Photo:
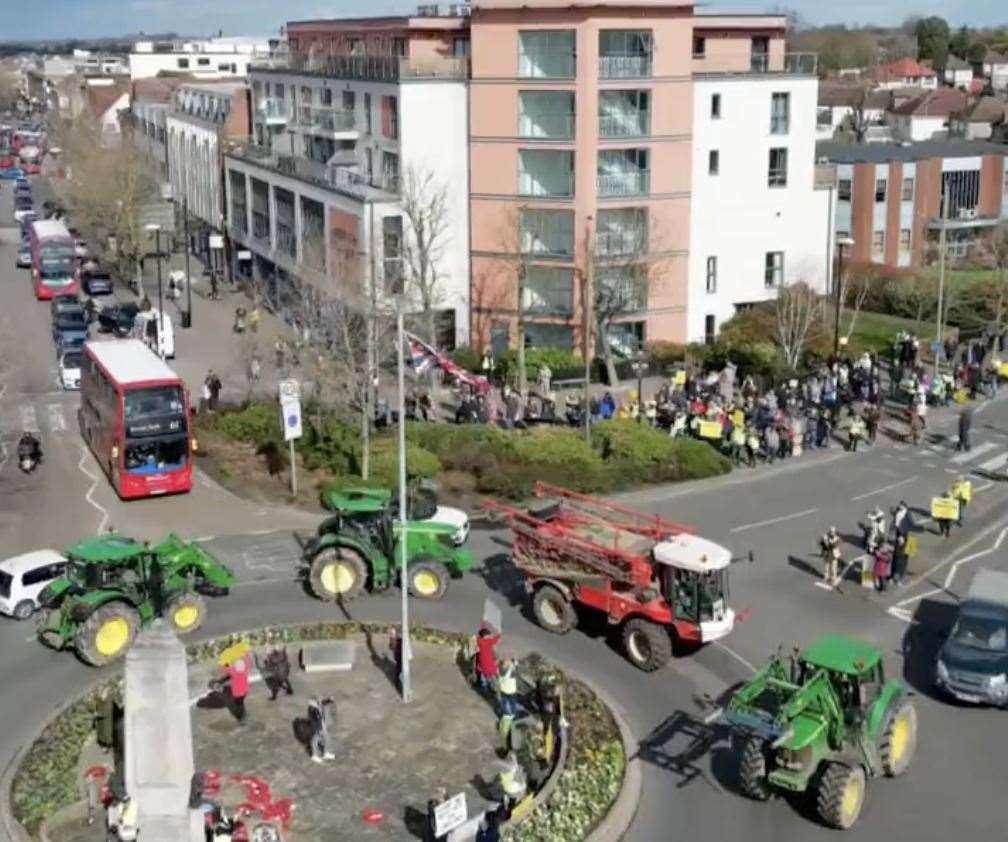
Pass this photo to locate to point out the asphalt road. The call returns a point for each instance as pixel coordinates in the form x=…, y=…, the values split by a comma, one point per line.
x=953, y=788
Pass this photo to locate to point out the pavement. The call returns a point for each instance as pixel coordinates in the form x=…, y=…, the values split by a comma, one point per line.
x=954, y=787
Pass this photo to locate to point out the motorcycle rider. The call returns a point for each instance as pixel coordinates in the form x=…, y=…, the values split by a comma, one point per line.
x=830, y=543
x=30, y=448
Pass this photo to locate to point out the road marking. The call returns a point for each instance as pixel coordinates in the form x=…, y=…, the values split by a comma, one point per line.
x=57, y=424
x=970, y=455
x=735, y=655
x=884, y=488
x=29, y=421
x=983, y=487
x=994, y=464
x=746, y=526
x=982, y=407
x=951, y=471
x=90, y=491
x=955, y=564
x=827, y=586
x=3, y=455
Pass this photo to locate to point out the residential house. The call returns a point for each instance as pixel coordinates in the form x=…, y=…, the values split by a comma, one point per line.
x=839, y=105
x=994, y=69
x=104, y=98
x=891, y=197
x=147, y=119
x=957, y=73
x=927, y=116
x=210, y=58
x=983, y=119
x=905, y=73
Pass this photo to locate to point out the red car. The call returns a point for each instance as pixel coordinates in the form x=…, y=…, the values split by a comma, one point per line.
x=6, y=162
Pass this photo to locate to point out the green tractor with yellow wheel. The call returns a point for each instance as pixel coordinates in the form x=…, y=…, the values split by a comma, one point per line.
x=822, y=722
x=358, y=549
x=113, y=586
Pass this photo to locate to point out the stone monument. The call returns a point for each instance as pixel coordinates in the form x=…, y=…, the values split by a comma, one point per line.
x=158, y=737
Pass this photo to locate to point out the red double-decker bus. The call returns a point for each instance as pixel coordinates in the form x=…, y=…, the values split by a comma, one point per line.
x=54, y=265
x=134, y=415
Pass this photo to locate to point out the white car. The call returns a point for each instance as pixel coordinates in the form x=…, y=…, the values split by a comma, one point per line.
x=70, y=370
x=22, y=579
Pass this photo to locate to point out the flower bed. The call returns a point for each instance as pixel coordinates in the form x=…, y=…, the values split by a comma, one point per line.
x=46, y=779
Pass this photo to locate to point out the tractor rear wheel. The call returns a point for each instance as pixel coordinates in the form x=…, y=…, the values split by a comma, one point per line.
x=752, y=770
x=647, y=645
x=898, y=740
x=428, y=578
x=841, y=795
x=553, y=611
x=186, y=612
x=337, y=574
x=107, y=633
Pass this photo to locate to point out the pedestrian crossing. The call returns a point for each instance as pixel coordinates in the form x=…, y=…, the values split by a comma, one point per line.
x=46, y=417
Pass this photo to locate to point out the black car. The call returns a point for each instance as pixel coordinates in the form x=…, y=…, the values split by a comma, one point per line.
x=97, y=281
x=118, y=317
x=66, y=303
x=69, y=330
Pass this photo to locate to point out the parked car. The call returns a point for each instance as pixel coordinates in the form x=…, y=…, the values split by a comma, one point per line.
x=66, y=303
x=12, y=173
x=22, y=579
x=6, y=161
x=96, y=281
x=22, y=206
x=24, y=257
x=70, y=332
x=118, y=317
x=70, y=370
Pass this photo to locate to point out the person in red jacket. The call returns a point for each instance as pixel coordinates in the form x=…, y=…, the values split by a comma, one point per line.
x=237, y=673
x=486, y=657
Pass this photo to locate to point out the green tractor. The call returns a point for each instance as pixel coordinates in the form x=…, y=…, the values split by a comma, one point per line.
x=113, y=586
x=358, y=548
x=821, y=722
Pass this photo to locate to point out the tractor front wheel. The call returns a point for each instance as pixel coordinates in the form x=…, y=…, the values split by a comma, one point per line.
x=647, y=645
x=899, y=738
x=553, y=610
x=841, y=795
x=752, y=771
x=107, y=633
x=428, y=579
x=337, y=574
x=186, y=612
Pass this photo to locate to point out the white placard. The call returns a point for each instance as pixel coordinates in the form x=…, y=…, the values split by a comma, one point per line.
x=290, y=415
x=216, y=241
x=244, y=255
x=450, y=814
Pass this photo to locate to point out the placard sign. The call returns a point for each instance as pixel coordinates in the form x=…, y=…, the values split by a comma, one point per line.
x=450, y=814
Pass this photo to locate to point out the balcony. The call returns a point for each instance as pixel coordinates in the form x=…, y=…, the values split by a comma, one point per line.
x=274, y=111
x=625, y=67
x=332, y=122
x=629, y=123
x=804, y=64
x=546, y=114
x=636, y=183
x=366, y=68
x=545, y=173
x=261, y=225
x=625, y=53
x=546, y=65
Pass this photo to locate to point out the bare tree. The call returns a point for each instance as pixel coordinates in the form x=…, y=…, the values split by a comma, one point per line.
x=994, y=255
x=854, y=289
x=858, y=118
x=425, y=206
x=798, y=309
x=10, y=90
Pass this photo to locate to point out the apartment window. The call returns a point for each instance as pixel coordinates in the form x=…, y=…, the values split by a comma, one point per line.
x=773, y=275
x=390, y=171
x=392, y=253
x=327, y=96
x=367, y=113
x=908, y=190
x=713, y=162
x=278, y=90
x=546, y=54
x=904, y=244
x=778, y=168
x=622, y=289
x=621, y=232
x=623, y=172
x=880, y=189
x=461, y=48
x=699, y=46
x=203, y=62
x=710, y=329
x=547, y=233
x=349, y=100
x=183, y=64
x=711, y=275
x=844, y=189
x=824, y=117
x=780, y=113
x=399, y=47
x=878, y=244
x=545, y=172
x=624, y=53
x=389, y=117
x=624, y=114
x=548, y=290
x=715, y=106
x=547, y=114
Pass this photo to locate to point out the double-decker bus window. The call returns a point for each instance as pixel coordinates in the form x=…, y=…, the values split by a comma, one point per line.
x=156, y=455
x=147, y=403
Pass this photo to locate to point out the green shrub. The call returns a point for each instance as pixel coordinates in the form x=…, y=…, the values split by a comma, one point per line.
x=331, y=444
x=255, y=424
x=663, y=354
x=444, y=440
x=420, y=462
x=629, y=441
x=554, y=446
x=467, y=358
x=699, y=460
x=564, y=365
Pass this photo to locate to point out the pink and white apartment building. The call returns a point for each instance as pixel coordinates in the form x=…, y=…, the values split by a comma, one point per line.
x=664, y=156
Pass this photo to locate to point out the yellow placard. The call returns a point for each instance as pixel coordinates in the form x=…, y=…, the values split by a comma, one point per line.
x=680, y=378
x=911, y=546
x=944, y=508
x=1003, y=369
x=235, y=652
x=710, y=429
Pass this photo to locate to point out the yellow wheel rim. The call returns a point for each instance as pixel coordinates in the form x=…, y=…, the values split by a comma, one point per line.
x=337, y=577
x=186, y=616
x=112, y=636
x=851, y=798
x=425, y=583
x=899, y=738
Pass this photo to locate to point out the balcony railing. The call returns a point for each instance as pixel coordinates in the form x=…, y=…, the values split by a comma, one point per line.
x=559, y=185
x=326, y=119
x=759, y=62
x=239, y=217
x=260, y=225
x=272, y=109
x=367, y=68
x=625, y=67
x=806, y=64
x=546, y=64
x=549, y=126
x=627, y=124
x=634, y=183
x=621, y=243
x=286, y=239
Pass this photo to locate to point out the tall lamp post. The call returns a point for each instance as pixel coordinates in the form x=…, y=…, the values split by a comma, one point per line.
x=160, y=302
x=407, y=691
x=841, y=244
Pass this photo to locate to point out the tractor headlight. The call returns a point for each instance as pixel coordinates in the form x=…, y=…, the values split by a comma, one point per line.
x=942, y=671
x=996, y=681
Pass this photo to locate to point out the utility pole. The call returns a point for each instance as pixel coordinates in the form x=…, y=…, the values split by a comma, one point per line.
x=369, y=351
x=942, y=245
x=185, y=224
x=588, y=296
x=407, y=693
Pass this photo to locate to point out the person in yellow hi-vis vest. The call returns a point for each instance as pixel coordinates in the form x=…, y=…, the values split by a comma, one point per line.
x=962, y=490
x=507, y=687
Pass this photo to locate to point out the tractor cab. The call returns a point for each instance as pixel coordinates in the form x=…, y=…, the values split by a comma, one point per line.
x=854, y=670
x=693, y=575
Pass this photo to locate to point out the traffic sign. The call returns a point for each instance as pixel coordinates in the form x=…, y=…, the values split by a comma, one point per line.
x=290, y=411
x=290, y=389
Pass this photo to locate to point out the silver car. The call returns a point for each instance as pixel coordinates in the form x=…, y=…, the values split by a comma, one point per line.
x=24, y=258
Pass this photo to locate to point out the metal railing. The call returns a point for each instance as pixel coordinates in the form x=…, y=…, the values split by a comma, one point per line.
x=557, y=185
x=367, y=68
x=625, y=67
x=272, y=108
x=806, y=64
x=546, y=64
x=632, y=183
x=549, y=126
x=286, y=239
x=337, y=172
x=239, y=215
x=260, y=225
x=621, y=243
x=626, y=124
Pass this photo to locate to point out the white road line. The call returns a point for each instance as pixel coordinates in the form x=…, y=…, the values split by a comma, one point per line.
x=203, y=538
x=29, y=421
x=951, y=471
x=884, y=488
x=994, y=464
x=982, y=407
x=735, y=655
x=956, y=564
x=930, y=465
x=57, y=424
x=983, y=487
x=3, y=455
x=977, y=451
x=746, y=526
x=90, y=491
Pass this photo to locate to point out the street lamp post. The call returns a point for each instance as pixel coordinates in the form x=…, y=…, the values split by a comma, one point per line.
x=407, y=692
x=160, y=296
x=843, y=242
x=188, y=278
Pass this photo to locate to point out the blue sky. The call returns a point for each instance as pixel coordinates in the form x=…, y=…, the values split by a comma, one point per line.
x=89, y=18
